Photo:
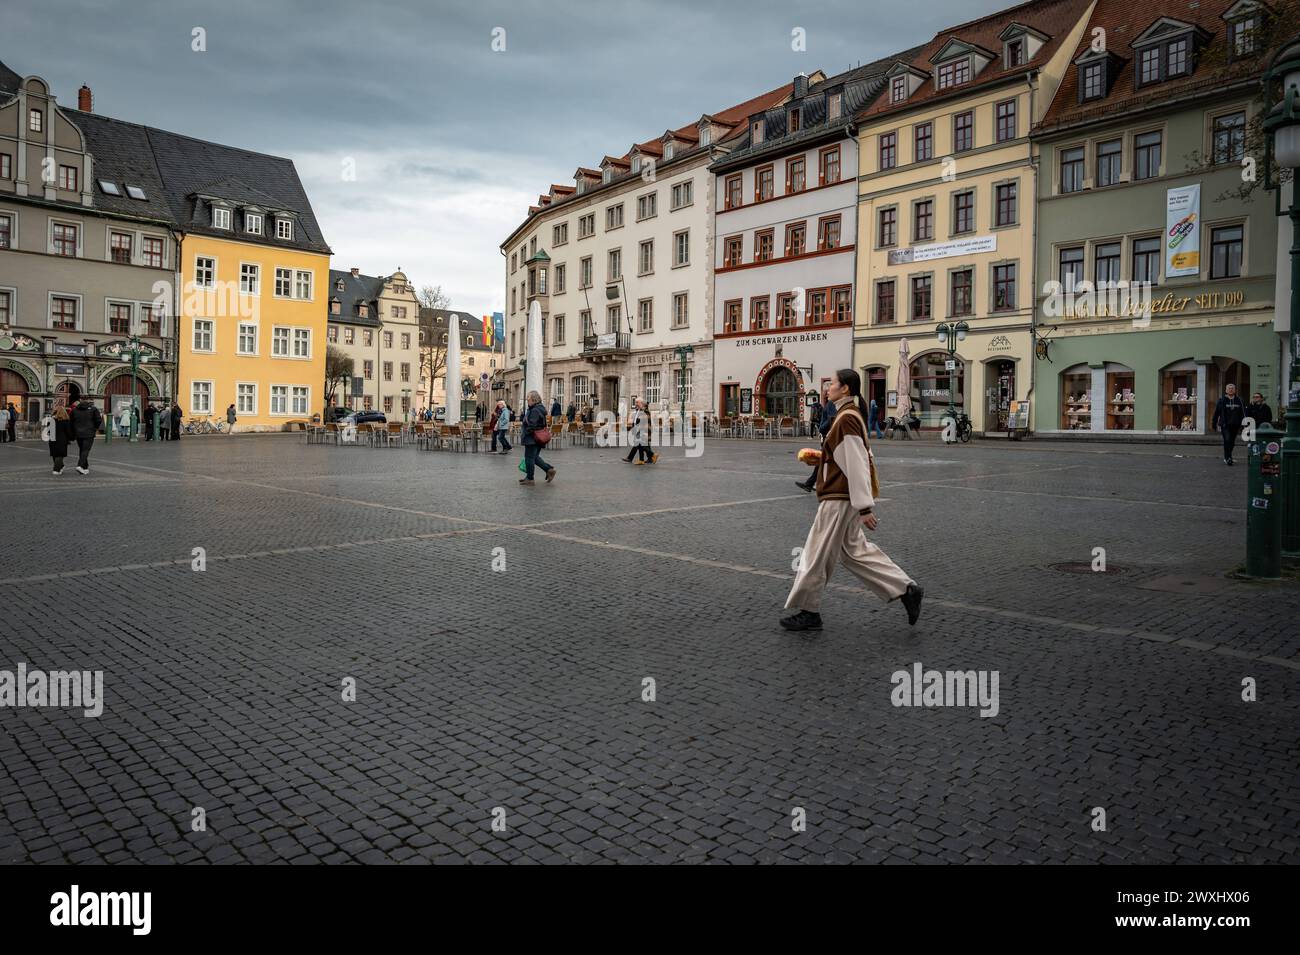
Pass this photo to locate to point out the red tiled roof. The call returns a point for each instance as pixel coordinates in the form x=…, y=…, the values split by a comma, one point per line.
x=1123, y=23
x=1053, y=18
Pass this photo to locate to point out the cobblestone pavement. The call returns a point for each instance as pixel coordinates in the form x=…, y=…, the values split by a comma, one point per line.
x=522, y=690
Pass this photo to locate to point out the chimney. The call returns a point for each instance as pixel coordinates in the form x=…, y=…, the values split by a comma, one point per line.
x=85, y=100
x=800, y=85
x=355, y=271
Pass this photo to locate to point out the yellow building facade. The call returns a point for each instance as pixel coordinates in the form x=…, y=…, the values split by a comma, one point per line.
x=252, y=332
x=946, y=187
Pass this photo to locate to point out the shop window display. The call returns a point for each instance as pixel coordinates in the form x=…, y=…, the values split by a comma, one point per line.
x=1178, y=398
x=1076, y=401
x=1120, y=401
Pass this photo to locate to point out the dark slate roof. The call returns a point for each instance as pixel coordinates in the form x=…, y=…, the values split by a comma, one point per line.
x=860, y=85
x=192, y=167
x=9, y=82
x=472, y=327
x=356, y=289
x=122, y=155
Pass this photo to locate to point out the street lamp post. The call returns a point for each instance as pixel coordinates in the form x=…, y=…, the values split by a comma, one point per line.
x=683, y=353
x=1282, y=143
x=949, y=335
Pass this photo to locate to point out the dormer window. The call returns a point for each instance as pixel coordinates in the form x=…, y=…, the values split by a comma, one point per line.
x=756, y=132
x=898, y=89
x=792, y=120
x=834, y=103
x=1166, y=50
x=706, y=135
x=253, y=223
x=668, y=151
x=363, y=310
x=1178, y=61
x=636, y=163
x=284, y=229
x=220, y=217
x=1092, y=81
x=1015, y=52
x=1243, y=37
x=954, y=73
x=339, y=285
x=607, y=175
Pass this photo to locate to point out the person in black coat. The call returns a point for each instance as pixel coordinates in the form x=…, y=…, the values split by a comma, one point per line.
x=57, y=431
x=1229, y=412
x=555, y=408
x=176, y=422
x=823, y=425
x=1258, y=411
x=149, y=412
x=534, y=421
x=571, y=413
x=86, y=422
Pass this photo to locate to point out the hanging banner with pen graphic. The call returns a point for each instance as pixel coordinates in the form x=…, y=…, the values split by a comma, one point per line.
x=1183, y=231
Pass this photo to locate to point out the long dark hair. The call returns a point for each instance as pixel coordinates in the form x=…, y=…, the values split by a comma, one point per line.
x=851, y=380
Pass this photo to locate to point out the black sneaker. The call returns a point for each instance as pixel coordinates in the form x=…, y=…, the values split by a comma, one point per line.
x=912, y=602
x=803, y=487
x=803, y=620
x=1228, y=462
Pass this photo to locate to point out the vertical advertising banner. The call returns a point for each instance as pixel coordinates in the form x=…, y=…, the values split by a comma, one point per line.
x=1183, y=231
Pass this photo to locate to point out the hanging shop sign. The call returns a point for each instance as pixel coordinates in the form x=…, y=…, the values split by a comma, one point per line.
x=1183, y=230
x=62, y=348
x=944, y=250
x=69, y=368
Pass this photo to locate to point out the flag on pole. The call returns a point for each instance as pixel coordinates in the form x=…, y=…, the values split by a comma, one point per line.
x=499, y=326
x=487, y=331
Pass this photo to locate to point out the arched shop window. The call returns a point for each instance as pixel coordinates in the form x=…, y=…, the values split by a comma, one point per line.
x=781, y=393
x=1220, y=373
x=1181, y=393
x=932, y=387
x=1121, y=406
x=1077, y=398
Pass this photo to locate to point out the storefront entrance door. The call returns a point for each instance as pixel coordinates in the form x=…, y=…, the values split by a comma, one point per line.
x=1001, y=391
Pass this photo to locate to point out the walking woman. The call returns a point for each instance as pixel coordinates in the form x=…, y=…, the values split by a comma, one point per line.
x=641, y=450
x=846, y=501
x=534, y=421
x=56, y=428
x=501, y=428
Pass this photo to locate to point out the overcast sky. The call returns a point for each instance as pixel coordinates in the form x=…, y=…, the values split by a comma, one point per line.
x=451, y=141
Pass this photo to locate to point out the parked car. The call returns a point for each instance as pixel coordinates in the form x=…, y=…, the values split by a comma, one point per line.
x=364, y=417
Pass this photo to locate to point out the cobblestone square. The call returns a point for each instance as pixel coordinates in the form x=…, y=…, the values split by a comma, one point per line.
x=516, y=694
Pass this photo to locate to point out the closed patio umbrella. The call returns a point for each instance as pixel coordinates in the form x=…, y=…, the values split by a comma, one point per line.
x=904, y=381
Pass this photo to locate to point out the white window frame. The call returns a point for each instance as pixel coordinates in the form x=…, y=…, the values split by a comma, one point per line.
x=287, y=274
x=221, y=218
x=205, y=258
x=211, y=335
x=686, y=297
x=688, y=186
x=271, y=408
x=295, y=339
x=108, y=304
x=143, y=236
x=239, y=398
x=298, y=283
x=239, y=336
x=254, y=217
x=13, y=301
x=12, y=216
x=277, y=338
x=678, y=261
x=257, y=278
x=49, y=235
x=306, y=407
x=194, y=403
x=81, y=309
x=284, y=228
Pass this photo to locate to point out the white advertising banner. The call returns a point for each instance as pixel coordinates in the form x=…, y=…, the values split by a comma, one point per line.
x=944, y=250
x=1183, y=231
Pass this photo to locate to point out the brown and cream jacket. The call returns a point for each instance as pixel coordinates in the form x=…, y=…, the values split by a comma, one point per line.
x=848, y=471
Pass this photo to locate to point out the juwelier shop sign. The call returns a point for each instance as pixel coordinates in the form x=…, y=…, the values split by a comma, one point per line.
x=944, y=250
x=1168, y=304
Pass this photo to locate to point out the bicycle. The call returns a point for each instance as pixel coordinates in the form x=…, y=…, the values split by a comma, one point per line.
x=204, y=426
x=961, y=424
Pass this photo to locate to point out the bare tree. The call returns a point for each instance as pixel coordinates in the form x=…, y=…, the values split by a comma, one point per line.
x=338, y=371
x=433, y=342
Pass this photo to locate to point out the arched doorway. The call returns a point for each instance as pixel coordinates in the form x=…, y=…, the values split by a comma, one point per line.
x=13, y=390
x=68, y=393
x=119, y=391
x=933, y=386
x=781, y=394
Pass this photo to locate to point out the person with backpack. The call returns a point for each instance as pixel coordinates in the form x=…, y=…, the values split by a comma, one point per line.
x=86, y=422
x=846, y=504
x=534, y=422
x=56, y=430
x=823, y=425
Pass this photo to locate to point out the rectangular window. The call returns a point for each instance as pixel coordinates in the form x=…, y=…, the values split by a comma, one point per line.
x=152, y=251
x=1149, y=65
x=963, y=213
x=1146, y=155
x=6, y=166
x=6, y=307
x=302, y=284
x=349, y=335
x=885, y=303
x=828, y=233
x=587, y=225
x=584, y=272
x=1109, y=156
x=764, y=184
x=201, y=397
x=202, y=334
x=1146, y=260
x=955, y=73
x=1006, y=121
x=614, y=270
x=646, y=257
x=1072, y=169
x=796, y=178
x=681, y=312
x=796, y=239
x=388, y=371
x=792, y=122
x=1071, y=270
x=759, y=312
x=1225, y=252
x=559, y=330
x=151, y=320
x=888, y=150
x=283, y=283
x=560, y=234
x=764, y=245
x=843, y=304
x=731, y=316
x=119, y=318
x=650, y=388
x=1105, y=264
x=645, y=315
x=1005, y=204
x=406, y=340
x=249, y=278
x=68, y=178
x=646, y=206
x=785, y=317
x=1244, y=37
x=332, y=333
x=732, y=251
x=1178, y=62
x=733, y=195
x=614, y=217
x=1015, y=53
x=682, y=248
x=35, y=120
x=368, y=369
x=960, y=303
x=561, y=278
x=65, y=239
x=1004, y=287
x=302, y=343
x=963, y=131
x=119, y=247
x=280, y=341
x=247, y=339
x=817, y=306
x=300, y=397
x=205, y=272
x=388, y=339
x=1230, y=137
x=220, y=217
x=683, y=194
x=888, y=231
x=246, y=398
x=253, y=223
x=682, y=380
x=923, y=220
x=1094, y=81
x=63, y=312
x=279, y=399
x=6, y=232
x=898, y=89
x=922, y=302
x=923, y=142
x=829, y=168
x=284, y=229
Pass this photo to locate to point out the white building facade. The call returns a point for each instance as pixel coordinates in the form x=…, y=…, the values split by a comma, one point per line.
x=621, y=266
